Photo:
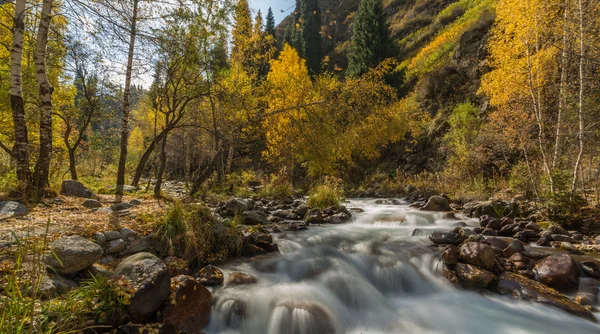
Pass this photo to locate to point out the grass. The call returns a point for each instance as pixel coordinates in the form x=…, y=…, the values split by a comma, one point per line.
x=328, y=194
x=276, y=190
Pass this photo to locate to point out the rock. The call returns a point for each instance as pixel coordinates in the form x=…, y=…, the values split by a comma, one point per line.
x=315, y=318
x=74, y=188
x=563, y=238
x=494, y=224
x=100, y=238
x=176, y=266
x=533, y=227
x=115, y=246
x=135, y=202
x=286, y=215
x=445, y=238
x=590, y=268
x=437, y=203
x=233, y=312
x=497, y=209
x=239, y=278
x=12, y=209
x=151, y=284
x=237, y=206
x=189, y=306
x=253, y=218
x=112, y=235
x=75, y=254
x=569, y=247
x=95, y=270
x=496, y=242
x=137, y=246
x=450, y=255
x=338, y=218
x=314, y=216
x=92, y=204
x=128, y=233
x=555, y=229
x=478, y=254
x=210, y=275
x=558, y=271
x=251, y=250
x=521, y=287
x=301, y=211
x=514, y=247
x=120, y=206
x=45, y=288
x=473, y=277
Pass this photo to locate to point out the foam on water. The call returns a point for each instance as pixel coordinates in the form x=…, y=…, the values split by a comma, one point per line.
x=374, y=275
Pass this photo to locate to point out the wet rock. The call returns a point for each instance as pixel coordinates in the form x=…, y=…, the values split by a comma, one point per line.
x=314, y=216
x=526, y=235
x=555, y=229
x=545, y=238
x=521, y=287
x=286, y=215
x=115, y=246
x=239, y=278
x=210, y=275
x=12, y=209
x=251, y=250
x=75, y=253
x=92, y=204
x=558, y=271
x=533, y=227
x=569, y=247
x=189, y=305
x=437, y=203
x=445, y=238
x=315, y=318
x=151, y=282
x=478, y=254
x=496, y=242
x=236, y=206
x=232, y=312
x=473, y=277
x=489, y=232
x=563, y=238
x=497, y=209
x=301, y=211
x=507, y=230
x=338, y=218
x=590, y=268
x=450, y=255
x=176, y=266
x=254, y=218
x=514, y=247
x=494, y=224
x=74, y=188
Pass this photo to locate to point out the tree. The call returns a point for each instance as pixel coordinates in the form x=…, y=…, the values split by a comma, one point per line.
x=242, y=32
x=270, y=25
x=370, y=38
x=312, y=42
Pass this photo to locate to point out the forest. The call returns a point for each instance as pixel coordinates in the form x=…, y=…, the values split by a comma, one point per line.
x=177, y=117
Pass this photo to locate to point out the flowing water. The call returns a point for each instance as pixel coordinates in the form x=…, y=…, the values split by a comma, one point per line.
x=377, y=274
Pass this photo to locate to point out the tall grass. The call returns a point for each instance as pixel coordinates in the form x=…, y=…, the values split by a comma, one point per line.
x=328, y=194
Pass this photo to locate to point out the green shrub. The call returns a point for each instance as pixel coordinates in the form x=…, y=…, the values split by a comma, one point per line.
x=106, y=299
x=326, y=195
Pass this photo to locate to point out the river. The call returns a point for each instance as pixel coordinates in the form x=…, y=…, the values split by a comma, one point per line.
x=373, y=275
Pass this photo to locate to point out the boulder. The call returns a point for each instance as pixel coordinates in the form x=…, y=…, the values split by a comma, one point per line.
x=495, y=208
x=472, y=277
x=74, y=188
x=210, y=275
x=112, y=235
x=301, y=210
x=239, y=278
x=151, y=283
x=496, y=242
x=555, y=229
x=591, y=268
x=521, y=287
x=314, y=216
x=72, y=254
x=338, y=218
x=189, y=306
x=445, y=238
x=286, y=215
x=450, y=255
x=437, y=203
x=115, y=246
x=514, y=247
x=92, y=204
x=254, y=218
x=478, y=254
x=236, y=206
x=564, y=238
x=12, y=209
x=558, y=271
x=251, y=250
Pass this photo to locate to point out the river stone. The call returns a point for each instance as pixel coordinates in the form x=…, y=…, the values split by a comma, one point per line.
x=521, y=287
x=437, y=203
x=314, y=216
x=472, y=277
x=74, y=188
x=555, y=229
x=450, y=255
x=564, y=238
x=478, y=254
x=92, y=204
x=151, y=283
x=112, y=235
x=189, y=305
x=558, y=271
x=254, y=218
x=514, y=247
x=210, y=275
x=236, y=206
x=445, y=238
x=12, y=209
x=239, y=278
x=75, y=254
x=115, y=246
x=496, y=242
x=590, y=268
x=301, y=210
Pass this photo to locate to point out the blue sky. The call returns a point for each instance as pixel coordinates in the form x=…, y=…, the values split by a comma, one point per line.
x=276, y=5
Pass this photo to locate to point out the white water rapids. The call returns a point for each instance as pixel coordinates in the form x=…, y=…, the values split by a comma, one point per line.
x=373, y=275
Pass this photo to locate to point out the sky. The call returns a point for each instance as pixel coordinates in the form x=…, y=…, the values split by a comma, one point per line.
x=276, y=5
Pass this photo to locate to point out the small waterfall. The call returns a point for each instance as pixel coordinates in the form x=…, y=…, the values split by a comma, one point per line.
x=374, y=275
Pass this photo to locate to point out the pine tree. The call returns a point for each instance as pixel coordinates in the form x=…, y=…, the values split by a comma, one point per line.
x=312, y=42
x=296, y=37
x=242, y=30
x=270, y=27
x=258, y=24
x=370, y=38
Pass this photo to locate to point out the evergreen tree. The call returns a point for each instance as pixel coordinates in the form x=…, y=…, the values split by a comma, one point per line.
x=242, y=30
x=312, y=42
x=370, y=38
x=270, y=27
x=258, y=24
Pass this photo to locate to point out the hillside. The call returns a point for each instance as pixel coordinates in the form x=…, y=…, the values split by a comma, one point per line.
x=441, y=45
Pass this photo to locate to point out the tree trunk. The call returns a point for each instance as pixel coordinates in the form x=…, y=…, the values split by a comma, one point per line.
x=72, y=164
x=42, y=167
x=205, y=174
x=126, y=105
x=139, y=171
x=16, y=100
x=581, y=95
x=161, y=168
x=562, y=98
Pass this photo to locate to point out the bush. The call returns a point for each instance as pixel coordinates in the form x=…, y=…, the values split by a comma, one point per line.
x=326, y=195
x=106, y=299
